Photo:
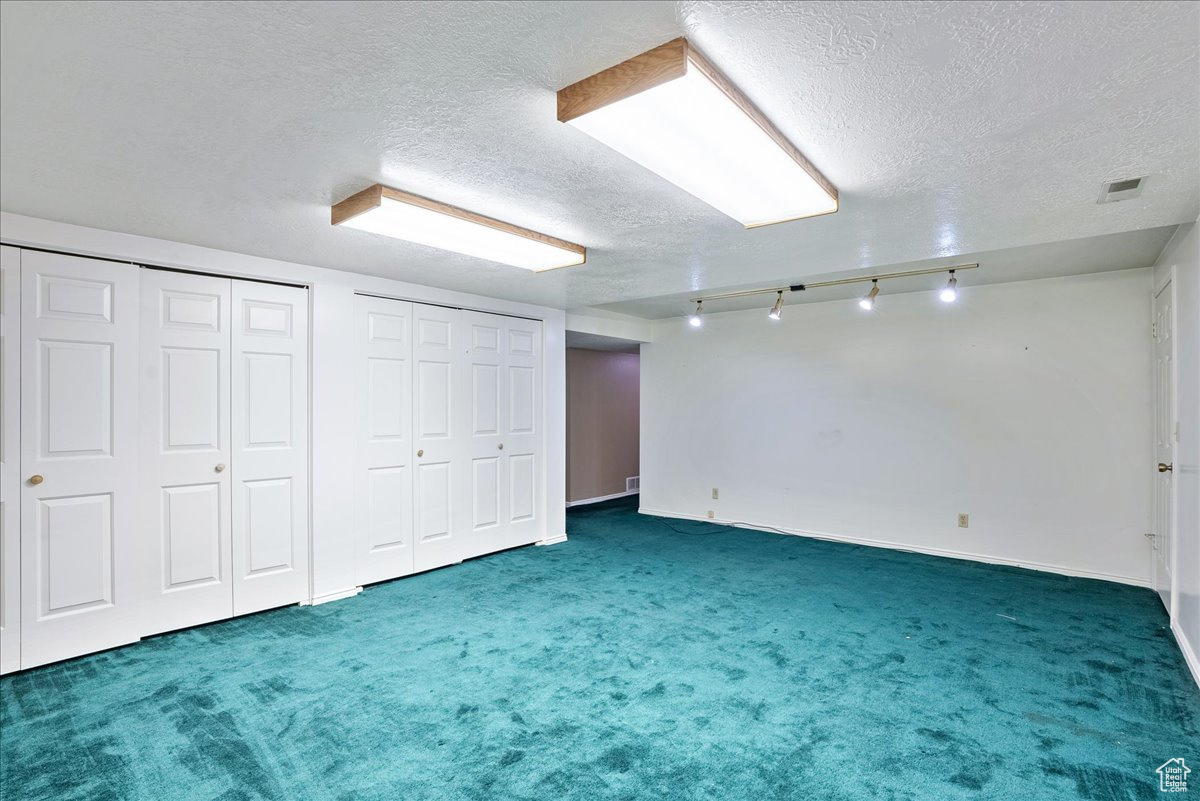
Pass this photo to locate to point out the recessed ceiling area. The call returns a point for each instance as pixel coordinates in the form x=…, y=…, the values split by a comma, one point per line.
x=585, y=341
x=1095, y=254
x=240, y=126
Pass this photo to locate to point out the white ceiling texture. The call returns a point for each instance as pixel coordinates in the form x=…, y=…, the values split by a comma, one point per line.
x=949, y=129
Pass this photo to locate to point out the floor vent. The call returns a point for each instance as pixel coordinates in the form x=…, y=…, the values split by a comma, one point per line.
x=633, y=483
x=1125, y=189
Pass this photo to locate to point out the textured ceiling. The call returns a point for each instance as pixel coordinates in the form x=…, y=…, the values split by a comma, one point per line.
x=948, y=127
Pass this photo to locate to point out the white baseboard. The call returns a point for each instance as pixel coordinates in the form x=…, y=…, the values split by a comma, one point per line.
x=552, y=540
x=896, y=546
x=1189, y=652
x=334, y=596
x=586, y=501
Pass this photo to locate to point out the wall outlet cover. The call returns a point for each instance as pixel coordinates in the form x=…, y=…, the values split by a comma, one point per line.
x=711, y=514
x=716, y=494
x=964, y=520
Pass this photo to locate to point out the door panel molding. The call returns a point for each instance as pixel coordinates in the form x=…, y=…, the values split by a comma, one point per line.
x=82, y=565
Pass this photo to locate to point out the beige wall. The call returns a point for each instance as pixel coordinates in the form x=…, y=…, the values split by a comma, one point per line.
x=602, y=422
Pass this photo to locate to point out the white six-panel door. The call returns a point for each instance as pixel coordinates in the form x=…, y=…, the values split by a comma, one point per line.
x=80, y=582
x=484, y=430
x=439, y=398
x=185, y=413
x=503, y=431
x=10, y=459
x=522, y=397
x=1164, y=445
x=385, y=453
x=270, y=446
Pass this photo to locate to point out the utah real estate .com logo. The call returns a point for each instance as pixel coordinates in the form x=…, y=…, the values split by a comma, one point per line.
x=1172, y=776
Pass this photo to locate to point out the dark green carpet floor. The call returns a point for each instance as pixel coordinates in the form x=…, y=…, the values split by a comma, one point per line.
x=643, y=659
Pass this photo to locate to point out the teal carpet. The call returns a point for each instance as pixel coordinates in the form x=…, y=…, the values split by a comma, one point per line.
x=643, y=659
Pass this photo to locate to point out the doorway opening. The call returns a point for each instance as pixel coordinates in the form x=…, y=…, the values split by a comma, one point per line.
x=603, y=398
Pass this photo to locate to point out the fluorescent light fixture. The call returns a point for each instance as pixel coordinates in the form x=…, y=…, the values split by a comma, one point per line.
x=777, y=310
x=382, y=210
x=674, y=113
x=950, y=293
x=695, y=321
x=868, y=301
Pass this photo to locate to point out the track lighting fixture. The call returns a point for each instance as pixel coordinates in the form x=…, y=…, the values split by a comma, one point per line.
x=696, y=320
x=868, y=300
x=950, y=293
x=777, y=310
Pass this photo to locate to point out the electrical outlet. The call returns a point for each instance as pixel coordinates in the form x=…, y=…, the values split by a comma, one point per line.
x=711, y=514
x=716, y=494
x=964, y=520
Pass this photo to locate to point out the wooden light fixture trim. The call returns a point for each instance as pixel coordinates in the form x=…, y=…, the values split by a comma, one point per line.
x=372, y=197
x=658, y=66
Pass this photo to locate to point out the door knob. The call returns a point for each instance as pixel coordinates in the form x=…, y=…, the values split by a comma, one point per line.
x=500, y=446
x=421, y=452
x=1166, y=468
x=35, y=480
x=220, y=468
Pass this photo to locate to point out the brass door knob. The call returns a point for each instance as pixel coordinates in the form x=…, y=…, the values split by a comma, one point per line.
x=421, y=452
x=35, y=480
x=1166, y=468
x=220, y=468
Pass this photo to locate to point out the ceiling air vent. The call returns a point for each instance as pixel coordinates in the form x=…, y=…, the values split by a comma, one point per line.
x=1121, y=190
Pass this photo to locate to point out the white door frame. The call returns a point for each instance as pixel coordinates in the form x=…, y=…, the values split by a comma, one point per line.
x=10, y=460
x=1173, y=435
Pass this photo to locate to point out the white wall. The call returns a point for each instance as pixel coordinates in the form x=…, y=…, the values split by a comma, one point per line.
x=1026, y=405
x=332, y=305
x=1183, y=254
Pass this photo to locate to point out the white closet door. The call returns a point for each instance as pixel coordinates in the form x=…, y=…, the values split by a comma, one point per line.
x=270, y=446
x=80, y=585
x=484, y=429
x=384, y=473
x=185, y=448
x=10, y=459
x=521, y=431
x=439, y=398
x=504, y=432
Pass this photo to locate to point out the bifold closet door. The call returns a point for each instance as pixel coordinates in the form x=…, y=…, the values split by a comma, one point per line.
x=80, y=563
x=440, y=495
x=503, y=436
x=185, y=413
x=385, y=452
x=523, y=438
x=10, y=459
x=269, y=419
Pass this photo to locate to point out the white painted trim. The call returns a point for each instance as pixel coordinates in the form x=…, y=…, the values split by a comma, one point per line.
x=615, y=495
x=1189, y=653
x=552, y=540
x=895, y=546
x=333, y=596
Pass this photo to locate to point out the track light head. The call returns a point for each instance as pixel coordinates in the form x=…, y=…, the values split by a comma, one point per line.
x=950, y=293
x=777, y=310
x=695, y=321
x=868, y=301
